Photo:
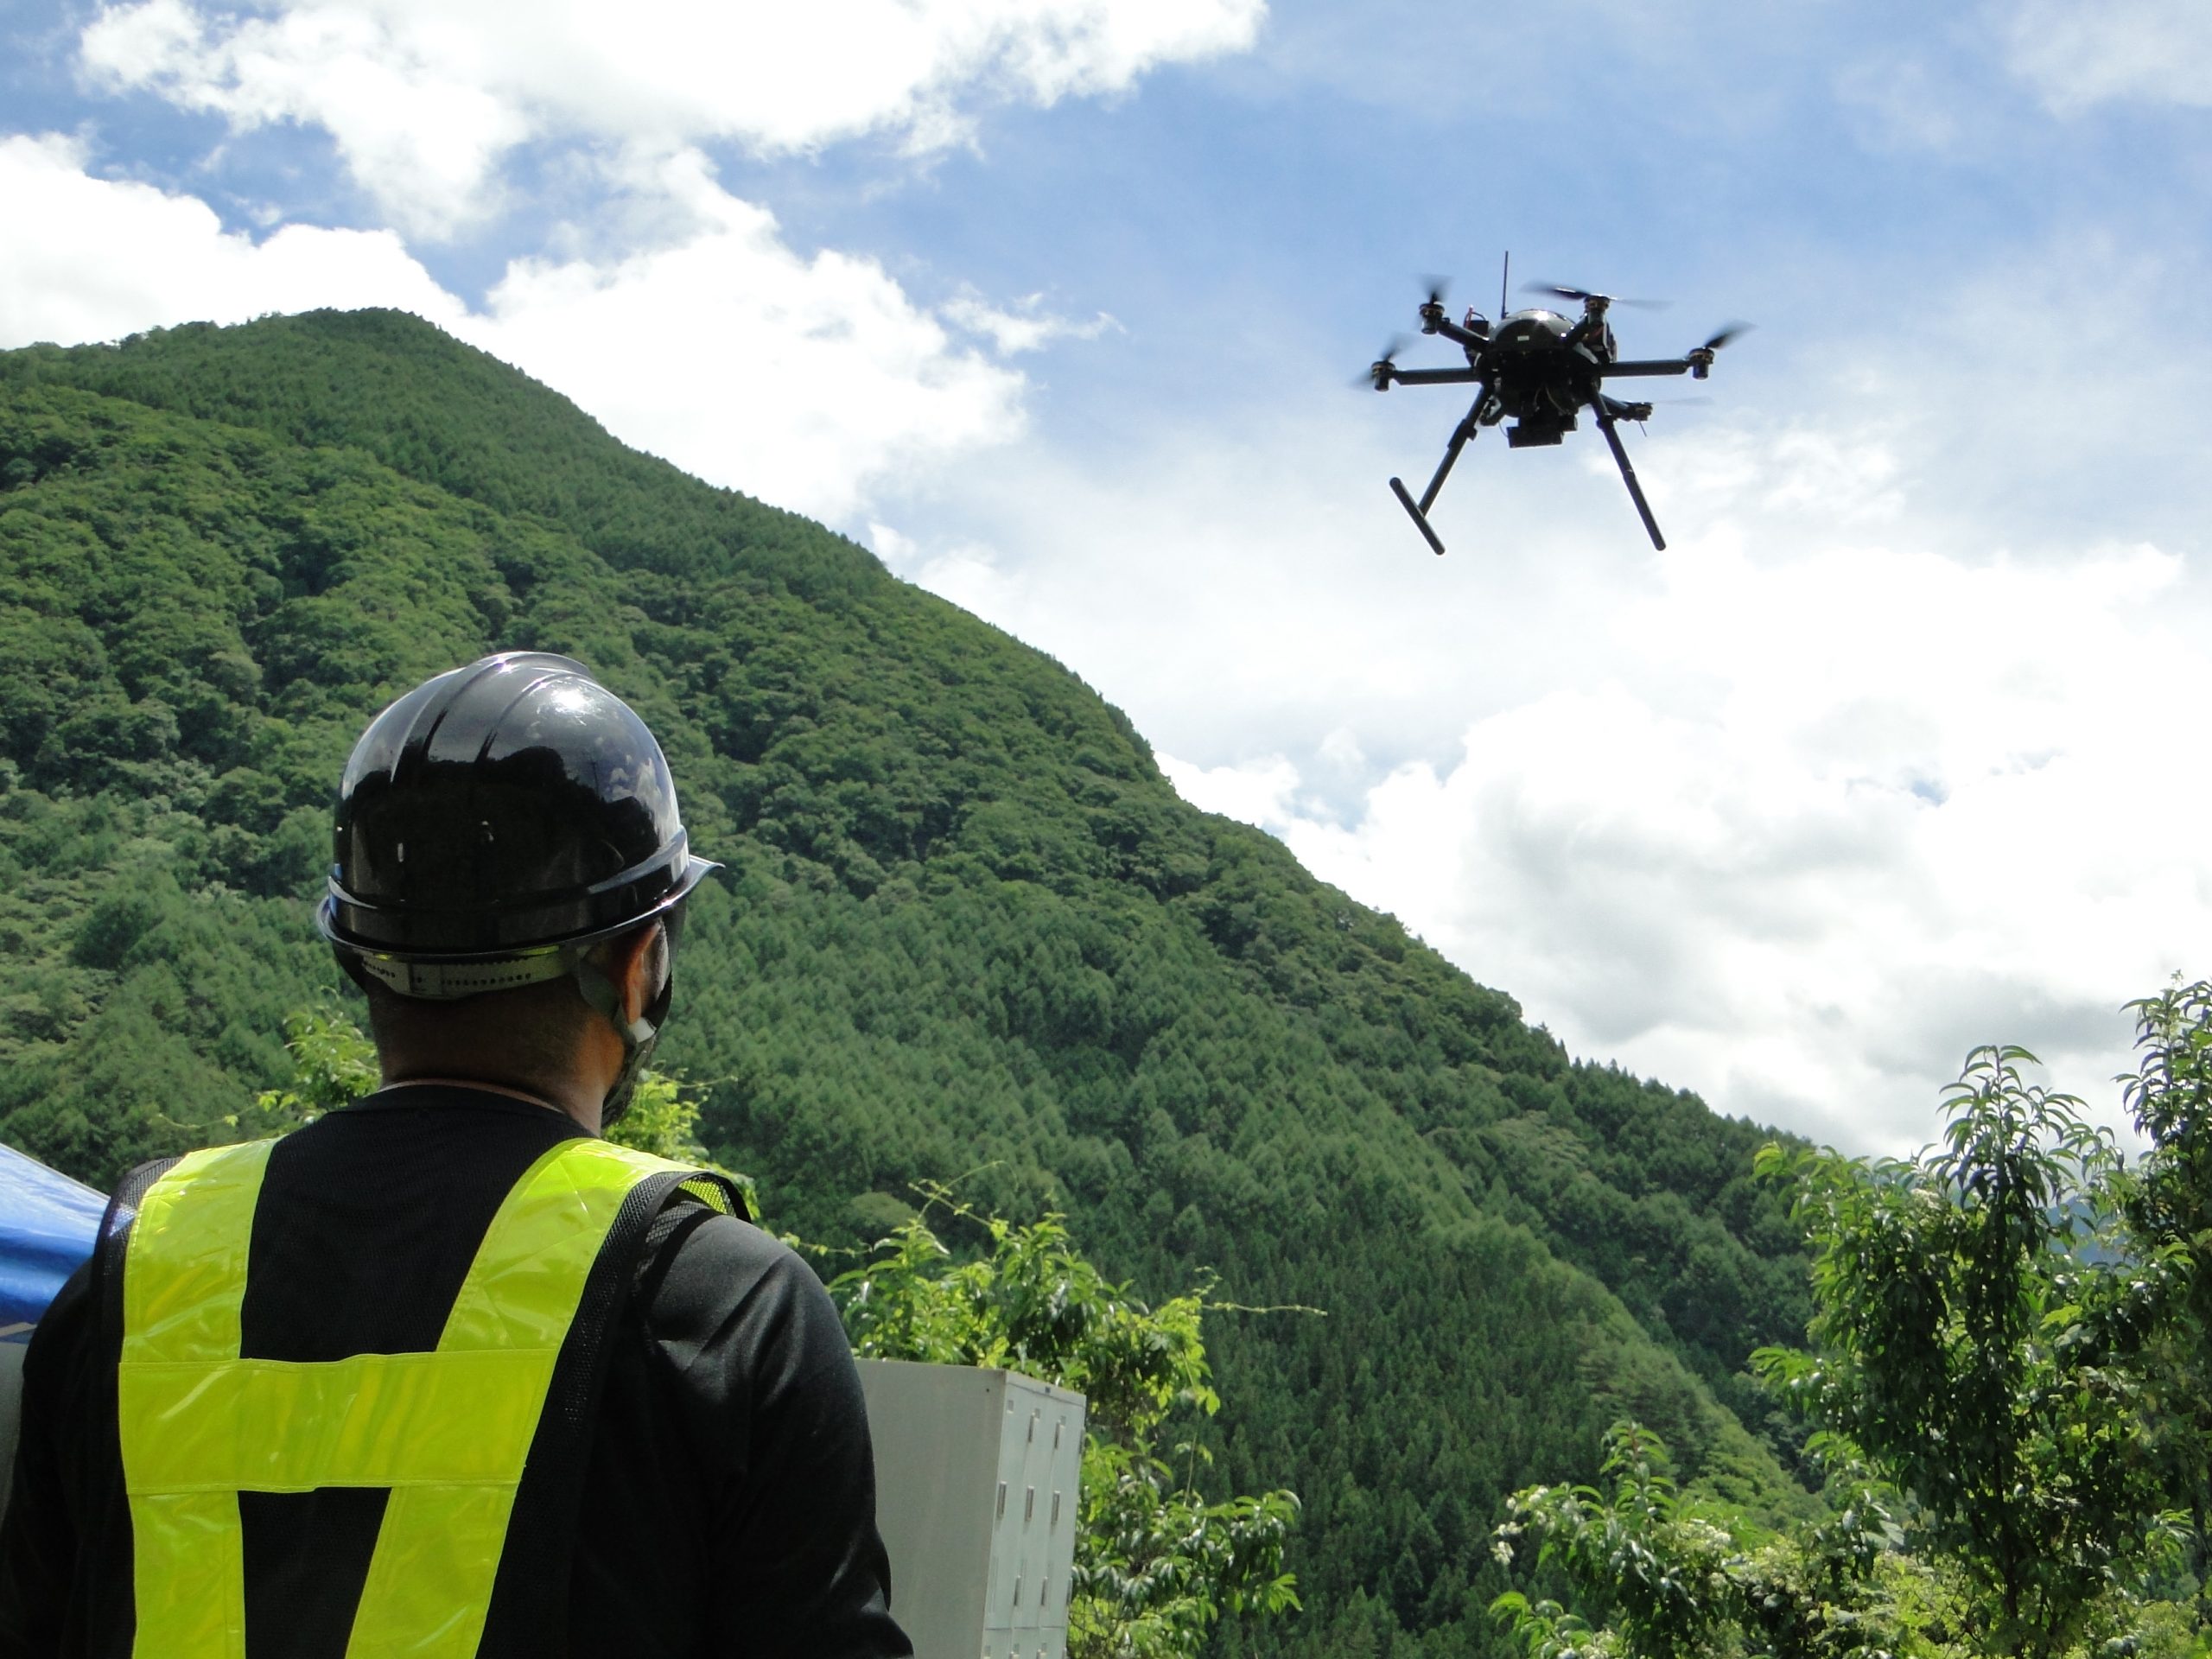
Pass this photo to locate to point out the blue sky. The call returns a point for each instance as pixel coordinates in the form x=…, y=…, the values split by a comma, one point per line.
x=1055, y=304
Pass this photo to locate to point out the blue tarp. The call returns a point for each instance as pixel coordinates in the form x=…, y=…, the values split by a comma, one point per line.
x=48, y=1224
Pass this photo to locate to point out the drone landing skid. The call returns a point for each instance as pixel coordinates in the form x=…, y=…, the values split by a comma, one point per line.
x=1628, y=474
x=1462, y=435
x=1421, y=518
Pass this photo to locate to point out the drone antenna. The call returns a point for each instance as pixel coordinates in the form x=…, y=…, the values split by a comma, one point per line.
x=1502, y=277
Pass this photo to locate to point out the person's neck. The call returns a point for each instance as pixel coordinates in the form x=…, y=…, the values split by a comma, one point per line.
x=570, y=1100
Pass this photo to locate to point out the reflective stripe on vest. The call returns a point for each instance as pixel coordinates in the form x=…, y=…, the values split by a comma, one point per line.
x=447, y=1431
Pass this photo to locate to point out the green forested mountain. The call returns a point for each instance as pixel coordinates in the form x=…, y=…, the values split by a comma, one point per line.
x=965, y=923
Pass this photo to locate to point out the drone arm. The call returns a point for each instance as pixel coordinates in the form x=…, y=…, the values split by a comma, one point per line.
x=1646, y=365
x=1628, y=474
x=1452, y=331
x=1436, y=377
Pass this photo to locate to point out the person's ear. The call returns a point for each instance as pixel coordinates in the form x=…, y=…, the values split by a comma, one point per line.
x=641, y=966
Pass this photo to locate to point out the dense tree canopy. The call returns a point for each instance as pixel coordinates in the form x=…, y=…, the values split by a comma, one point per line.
x=1972, y=1340
x=2006, y=1363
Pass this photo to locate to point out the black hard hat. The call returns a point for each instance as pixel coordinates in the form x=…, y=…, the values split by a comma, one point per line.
x=495, y=821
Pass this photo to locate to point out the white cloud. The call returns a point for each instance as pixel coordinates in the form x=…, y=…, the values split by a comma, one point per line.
x=424, y=97
x=808, y=382
x=1245, y=584
x=97, y=258
x=407, y=120
x=805, y=381
x=967, y=573
x=1258, y=791
x=1902, y=101
x=1901, y=804
x=2081, y=53
x=1025, y=326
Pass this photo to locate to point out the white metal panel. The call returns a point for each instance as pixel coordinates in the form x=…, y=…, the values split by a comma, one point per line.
x=934, y=1430
x=1021, y=1523
x=968, y=1463
x=1006, y=1582
x=1056, y=1506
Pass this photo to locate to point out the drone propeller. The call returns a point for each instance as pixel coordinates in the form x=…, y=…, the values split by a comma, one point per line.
x=1643, y=408
x=1583, y=296
x=1377, y=375
x=1432, y=308
x=1701, y=357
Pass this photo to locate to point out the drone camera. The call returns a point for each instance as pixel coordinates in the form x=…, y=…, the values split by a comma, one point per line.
x=1527, y=434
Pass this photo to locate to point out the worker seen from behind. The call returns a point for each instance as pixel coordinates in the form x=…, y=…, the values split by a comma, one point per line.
x=444, y=1373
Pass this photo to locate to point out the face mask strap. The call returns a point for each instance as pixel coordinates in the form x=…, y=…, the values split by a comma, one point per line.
x=638, y=1036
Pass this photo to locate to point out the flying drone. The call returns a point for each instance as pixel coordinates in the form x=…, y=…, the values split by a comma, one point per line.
x=1540, y=370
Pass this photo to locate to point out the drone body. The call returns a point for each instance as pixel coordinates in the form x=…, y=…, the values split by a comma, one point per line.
x=1539, y=371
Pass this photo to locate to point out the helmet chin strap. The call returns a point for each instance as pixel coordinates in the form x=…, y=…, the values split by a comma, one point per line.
x=638, y=1035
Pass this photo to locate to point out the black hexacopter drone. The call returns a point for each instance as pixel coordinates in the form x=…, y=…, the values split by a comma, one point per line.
x=1540, y=370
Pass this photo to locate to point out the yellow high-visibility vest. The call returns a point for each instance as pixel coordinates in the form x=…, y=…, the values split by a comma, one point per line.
x=448, y=1431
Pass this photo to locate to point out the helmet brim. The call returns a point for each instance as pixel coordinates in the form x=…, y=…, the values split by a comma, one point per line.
x=450, y=976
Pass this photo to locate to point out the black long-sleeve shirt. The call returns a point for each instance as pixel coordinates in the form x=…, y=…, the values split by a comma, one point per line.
x=729, y=1498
